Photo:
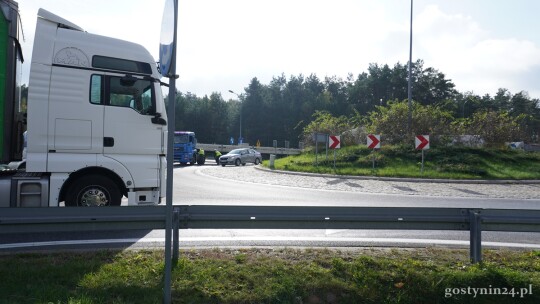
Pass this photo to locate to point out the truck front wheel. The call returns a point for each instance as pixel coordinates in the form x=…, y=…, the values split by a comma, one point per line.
x=93, y=191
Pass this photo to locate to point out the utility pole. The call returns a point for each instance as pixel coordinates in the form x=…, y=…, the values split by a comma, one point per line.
x=409, y=93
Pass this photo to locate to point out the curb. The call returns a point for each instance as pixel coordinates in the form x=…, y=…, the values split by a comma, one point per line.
x=406, y=179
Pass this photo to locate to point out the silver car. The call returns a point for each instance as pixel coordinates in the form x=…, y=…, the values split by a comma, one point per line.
x=241, y=156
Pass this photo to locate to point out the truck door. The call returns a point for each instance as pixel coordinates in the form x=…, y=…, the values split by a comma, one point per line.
x=129, y=136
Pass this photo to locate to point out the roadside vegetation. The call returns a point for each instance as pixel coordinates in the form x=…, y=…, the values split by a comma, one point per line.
x=284, y=107
x=452, y=154
x=367, y=275
x=403, y=161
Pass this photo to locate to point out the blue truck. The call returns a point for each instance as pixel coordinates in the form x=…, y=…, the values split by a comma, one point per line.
x=185, y=149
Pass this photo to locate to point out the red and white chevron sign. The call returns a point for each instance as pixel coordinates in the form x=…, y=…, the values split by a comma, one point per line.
x=334, y=142
x=422, y=142
x=374, y=141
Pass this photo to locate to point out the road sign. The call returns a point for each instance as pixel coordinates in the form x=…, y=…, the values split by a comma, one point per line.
x=421, y=142
x=334, y=142
x=374, y=141
x=320, y=137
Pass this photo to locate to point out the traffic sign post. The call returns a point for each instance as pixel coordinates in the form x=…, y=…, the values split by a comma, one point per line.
x=334, y=142
x=373, y=142
x=421, y=142
x=317, y=138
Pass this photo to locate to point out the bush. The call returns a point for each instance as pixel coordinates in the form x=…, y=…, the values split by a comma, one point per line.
x=391, y=122
x=494, y=128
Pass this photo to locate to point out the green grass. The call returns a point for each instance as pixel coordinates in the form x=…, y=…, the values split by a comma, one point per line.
x=269, y=276
x=396, y=161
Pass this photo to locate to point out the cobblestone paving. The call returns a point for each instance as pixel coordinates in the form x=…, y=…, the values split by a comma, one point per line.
x=489, y=190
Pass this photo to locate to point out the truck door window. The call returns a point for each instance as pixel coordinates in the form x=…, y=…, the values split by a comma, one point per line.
x=133, y=93
x=129, y=92
x=96, y=89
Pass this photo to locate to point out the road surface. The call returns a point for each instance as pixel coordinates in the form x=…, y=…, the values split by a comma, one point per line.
x=246, y=185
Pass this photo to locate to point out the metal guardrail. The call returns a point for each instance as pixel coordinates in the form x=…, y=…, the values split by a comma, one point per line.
x=29, y=220
x=284, y=217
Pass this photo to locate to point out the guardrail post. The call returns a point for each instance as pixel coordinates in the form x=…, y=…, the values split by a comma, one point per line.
x=176, y=234
x=475, y=236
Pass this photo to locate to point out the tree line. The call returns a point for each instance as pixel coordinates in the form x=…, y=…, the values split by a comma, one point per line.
x=287, y=108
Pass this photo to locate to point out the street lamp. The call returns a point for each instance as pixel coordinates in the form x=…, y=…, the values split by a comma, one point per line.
x=463, y=109
x=240, y=135
x=409, y=93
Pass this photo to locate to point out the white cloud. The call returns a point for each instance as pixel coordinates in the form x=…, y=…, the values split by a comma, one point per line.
x=223, y=44
x=474, y=58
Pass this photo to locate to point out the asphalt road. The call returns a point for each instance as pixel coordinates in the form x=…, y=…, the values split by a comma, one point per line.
x=216, y=185
x=211, y=184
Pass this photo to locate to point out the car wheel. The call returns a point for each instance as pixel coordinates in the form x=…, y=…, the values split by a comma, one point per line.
x=257, y=161
x=223, y=165
x=237, y=162
x=93, y=190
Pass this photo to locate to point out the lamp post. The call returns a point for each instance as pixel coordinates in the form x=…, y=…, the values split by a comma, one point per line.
x=240, y=131
x=409, y=91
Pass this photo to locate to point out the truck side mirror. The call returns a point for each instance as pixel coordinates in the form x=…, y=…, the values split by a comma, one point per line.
x=128, y=81
x=158, y=120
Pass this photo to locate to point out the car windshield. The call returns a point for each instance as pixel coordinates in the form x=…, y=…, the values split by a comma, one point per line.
x=237, y=151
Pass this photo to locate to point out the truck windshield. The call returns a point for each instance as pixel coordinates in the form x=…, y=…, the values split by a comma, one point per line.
x=181, y=138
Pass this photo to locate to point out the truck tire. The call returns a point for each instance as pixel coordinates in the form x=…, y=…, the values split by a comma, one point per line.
x=93, y=190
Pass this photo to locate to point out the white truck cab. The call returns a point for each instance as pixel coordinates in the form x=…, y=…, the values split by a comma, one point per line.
x=96, y=118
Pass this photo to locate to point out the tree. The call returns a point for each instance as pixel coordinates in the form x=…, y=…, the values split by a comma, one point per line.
x=495, y=128
x=324, y=122
x=391, y=121
x=521, y=103
x=255, y=113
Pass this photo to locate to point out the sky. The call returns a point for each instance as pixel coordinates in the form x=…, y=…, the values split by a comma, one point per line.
x=480, y=45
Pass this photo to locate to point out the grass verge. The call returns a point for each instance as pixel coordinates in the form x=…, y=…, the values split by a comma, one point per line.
x=273, y=276
x=398, y=161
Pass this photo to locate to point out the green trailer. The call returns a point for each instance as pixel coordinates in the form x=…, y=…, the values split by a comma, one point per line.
x=12, y=122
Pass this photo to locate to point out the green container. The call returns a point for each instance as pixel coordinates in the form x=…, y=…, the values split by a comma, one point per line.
x=11, y=120
x=4, y=28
